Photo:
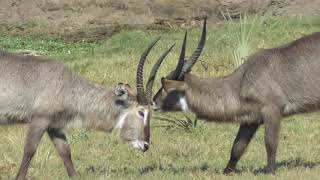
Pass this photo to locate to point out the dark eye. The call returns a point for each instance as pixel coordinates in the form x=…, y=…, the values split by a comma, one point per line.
x=141, y=113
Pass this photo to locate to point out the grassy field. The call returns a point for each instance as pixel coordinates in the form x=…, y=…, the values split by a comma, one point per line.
x=179, y=149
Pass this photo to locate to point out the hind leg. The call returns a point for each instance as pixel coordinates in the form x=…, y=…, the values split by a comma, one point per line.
x=271, y=118
x=62, y=146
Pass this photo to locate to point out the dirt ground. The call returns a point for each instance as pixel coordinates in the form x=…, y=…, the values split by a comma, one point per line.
x=95, y=19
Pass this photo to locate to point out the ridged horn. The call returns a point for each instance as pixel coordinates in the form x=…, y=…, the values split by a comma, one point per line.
x=179, y=66
x=141, y=95
x=154, y=72
x=195, y=55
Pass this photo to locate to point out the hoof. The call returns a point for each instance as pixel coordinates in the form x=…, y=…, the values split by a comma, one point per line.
x=270, y=171
x=229, y=171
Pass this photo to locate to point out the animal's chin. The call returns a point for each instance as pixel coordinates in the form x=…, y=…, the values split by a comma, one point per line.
x=160, y=109
x=156, y=108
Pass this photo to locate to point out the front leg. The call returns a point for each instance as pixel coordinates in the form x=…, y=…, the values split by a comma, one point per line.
x=35, y=133
x=244, y=136
x=271, y=118
x=62, y=146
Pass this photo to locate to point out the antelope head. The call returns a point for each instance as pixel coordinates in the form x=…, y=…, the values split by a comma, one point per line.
x=171, y=96
x=134, y=119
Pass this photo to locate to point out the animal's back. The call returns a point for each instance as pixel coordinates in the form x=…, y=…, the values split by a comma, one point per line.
x=29, y=84
x=289, y=75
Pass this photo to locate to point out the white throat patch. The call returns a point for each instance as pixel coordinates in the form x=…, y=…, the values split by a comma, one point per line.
x=184, y=104
x=121, y=119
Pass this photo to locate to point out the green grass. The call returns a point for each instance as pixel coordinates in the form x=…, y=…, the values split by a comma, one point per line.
x=178, y=151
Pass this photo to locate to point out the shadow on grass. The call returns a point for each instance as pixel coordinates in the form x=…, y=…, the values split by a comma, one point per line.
x=291, y=164
x=175, y=170
x=201, y=168
x=288, y=164
x=167, y=168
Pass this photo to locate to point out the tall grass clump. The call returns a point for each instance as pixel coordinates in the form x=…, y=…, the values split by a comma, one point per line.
x=243, y=31
x=242, y=49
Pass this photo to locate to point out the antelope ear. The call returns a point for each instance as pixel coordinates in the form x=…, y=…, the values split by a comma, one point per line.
x=121, y=91
x=124, y=91
x=170, y=85
x=131, y=92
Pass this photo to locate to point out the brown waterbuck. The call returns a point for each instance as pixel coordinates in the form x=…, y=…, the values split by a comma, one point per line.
x=271, y=84
x=48, y=96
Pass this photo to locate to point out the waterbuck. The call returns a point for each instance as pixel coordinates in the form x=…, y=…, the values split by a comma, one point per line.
x=51, y=98
x=271, y=84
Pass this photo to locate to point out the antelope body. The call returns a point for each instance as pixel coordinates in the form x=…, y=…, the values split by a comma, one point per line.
x=272, y=84
x=50, y=97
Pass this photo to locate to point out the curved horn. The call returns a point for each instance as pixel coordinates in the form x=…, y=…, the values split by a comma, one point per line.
x=195, y=55
x=141, y=96
x=154, y=72
x=179, y=66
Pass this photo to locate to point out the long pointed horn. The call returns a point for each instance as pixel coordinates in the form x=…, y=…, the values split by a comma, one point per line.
x=179, y=66
x=154, y=72
x=141, y=96
x=195, y=55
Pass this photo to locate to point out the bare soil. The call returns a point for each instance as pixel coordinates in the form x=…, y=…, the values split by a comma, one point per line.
x=75, y=20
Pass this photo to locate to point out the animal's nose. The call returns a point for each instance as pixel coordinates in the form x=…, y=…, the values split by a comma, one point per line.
x=145, y=146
